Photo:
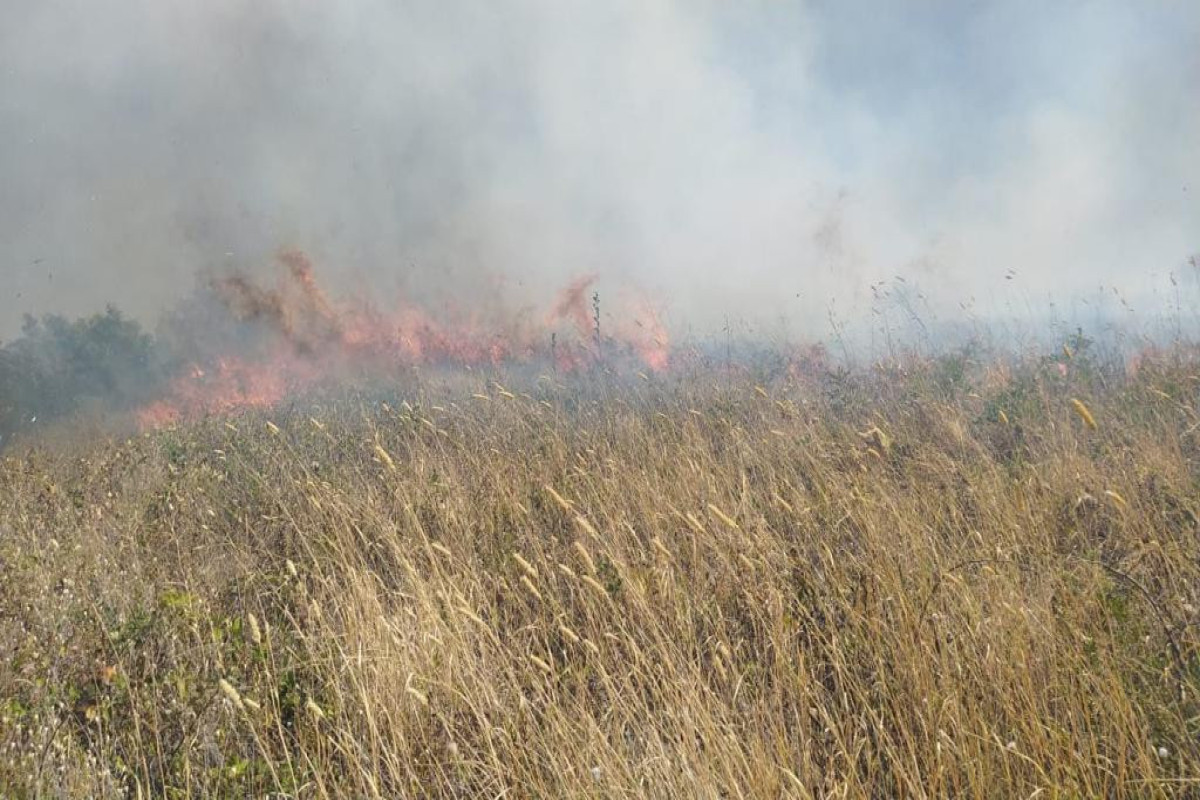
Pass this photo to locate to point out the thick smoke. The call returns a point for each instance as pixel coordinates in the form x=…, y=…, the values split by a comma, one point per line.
x=760, y=161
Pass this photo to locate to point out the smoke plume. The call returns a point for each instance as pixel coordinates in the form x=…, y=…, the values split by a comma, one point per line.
x=760, y=161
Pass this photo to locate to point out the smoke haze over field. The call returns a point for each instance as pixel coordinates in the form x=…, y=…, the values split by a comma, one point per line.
x=758, y=160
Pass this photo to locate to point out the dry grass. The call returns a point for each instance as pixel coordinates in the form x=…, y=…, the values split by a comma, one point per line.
x=919, y=584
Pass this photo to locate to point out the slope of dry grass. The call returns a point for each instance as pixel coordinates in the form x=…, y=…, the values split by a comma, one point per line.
x=932, y=583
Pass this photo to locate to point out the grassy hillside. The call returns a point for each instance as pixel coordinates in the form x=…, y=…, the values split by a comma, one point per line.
x=955, y=580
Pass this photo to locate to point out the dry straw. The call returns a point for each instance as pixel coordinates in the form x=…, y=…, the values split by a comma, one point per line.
x=1083, y=412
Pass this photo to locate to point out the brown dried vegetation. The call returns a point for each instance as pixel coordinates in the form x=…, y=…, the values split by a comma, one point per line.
x=696, y=588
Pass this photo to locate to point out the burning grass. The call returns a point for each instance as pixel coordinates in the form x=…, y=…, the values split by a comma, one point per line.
x=302, y=339
x=252, y=340
x=938, y=581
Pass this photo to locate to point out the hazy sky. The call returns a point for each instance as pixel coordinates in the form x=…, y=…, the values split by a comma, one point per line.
x=756, y=159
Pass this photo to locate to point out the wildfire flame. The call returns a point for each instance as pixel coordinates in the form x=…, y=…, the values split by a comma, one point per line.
x=308, y=338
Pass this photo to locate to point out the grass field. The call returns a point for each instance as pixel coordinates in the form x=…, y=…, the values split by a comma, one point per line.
x=957, y=579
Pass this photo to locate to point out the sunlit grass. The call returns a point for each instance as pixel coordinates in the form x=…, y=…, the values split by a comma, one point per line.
x=890, y=584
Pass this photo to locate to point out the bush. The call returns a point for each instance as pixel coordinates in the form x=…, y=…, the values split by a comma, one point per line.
x=58, y=367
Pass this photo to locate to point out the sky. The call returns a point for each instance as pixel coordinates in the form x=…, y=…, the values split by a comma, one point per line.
x=764, y=161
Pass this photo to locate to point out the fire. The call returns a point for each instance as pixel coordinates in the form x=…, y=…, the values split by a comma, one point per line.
x=649, y=337
x=230, y=385
x=572, y=305
x=304, y=337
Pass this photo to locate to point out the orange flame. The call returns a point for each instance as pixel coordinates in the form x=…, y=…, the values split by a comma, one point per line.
x=312, y=338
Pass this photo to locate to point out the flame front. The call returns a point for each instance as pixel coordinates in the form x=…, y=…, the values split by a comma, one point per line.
x=304, y=338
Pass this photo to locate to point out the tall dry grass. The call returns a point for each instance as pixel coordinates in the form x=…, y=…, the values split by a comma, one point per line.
x=936, y=582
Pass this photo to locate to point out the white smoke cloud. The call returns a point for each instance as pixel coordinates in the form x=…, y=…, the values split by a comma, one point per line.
x=755, y=160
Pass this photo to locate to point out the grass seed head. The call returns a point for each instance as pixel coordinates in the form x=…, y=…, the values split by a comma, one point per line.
x=528, y=568
x=585, y=556
x=568, y=634
x=255, y=630
x=721, y=515
x=385, y=458
x=533, y=590
x=231, y=694
x=1083, y=412
x=561, y=501
x=313, y=709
